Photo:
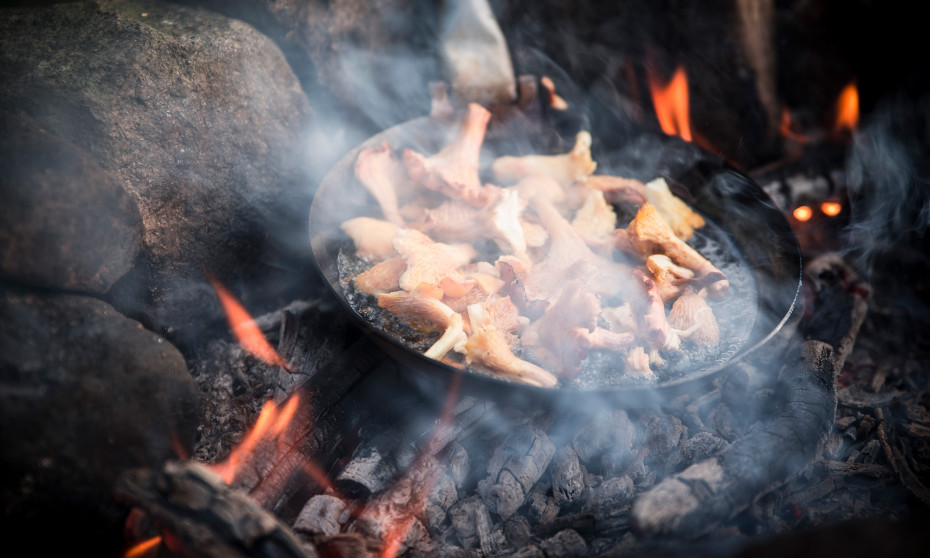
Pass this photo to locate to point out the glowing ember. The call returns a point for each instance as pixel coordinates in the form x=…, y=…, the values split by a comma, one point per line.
x=244, y=328
x=671, y=103
x=847, y=109
x=831, y=209
x=142, y=548
x=785, y=128
x=803, y=213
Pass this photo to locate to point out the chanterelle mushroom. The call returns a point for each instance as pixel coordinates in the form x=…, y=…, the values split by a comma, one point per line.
x=454, y=170
x=648, y=233
x=379, y=170
x=488, y=348
x=427, y=261
x=429, y=314
x=574, y=166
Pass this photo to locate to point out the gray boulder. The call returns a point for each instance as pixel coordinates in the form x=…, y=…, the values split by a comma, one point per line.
x=200, y=118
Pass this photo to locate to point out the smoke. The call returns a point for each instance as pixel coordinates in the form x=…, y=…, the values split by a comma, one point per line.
x=888, y=173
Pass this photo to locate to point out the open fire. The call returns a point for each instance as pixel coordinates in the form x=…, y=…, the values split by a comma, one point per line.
x=309, y=438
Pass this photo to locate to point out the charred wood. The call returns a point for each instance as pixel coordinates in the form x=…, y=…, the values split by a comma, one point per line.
x=208, y=517
x=567, y=477
x=514, y=468
x=323, y=515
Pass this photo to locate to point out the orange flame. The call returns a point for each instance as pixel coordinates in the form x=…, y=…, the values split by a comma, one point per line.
x=831, y=208
x=671, y=103
x=802, y=213
x=245, y=329
x=847, y=110
x=785, y=128
x=271, y=422
x=142, y=548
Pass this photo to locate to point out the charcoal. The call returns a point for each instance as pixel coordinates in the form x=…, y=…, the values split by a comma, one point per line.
x=441, y=498
x=610, y=498
x=610, y=431
x=529, y=552
x=459, y=466
x=515, y=466
x=471, y=521
x=517, y=531
x=698, y=448
x=565, y=544
x=662, y=433
x=345, y=545
x=323, y=515
x=375, y=464
x=721, y=421
x=568, y=483
x=541, y=505
x=716, y=489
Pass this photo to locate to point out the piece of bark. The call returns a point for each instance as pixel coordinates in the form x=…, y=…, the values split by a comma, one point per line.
x=514, y=468
x=194, y=506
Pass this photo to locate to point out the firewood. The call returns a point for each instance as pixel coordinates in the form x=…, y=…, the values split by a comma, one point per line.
x=208, y=517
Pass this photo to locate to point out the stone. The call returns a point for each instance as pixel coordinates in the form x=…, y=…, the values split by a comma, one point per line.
x=85, y=393
x=201, y=119
x=65, y=222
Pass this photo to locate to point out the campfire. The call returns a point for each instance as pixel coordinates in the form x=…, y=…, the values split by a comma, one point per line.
x=189, y=370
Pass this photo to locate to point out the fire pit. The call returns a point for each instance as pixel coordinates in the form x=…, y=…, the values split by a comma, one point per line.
x=309, y=439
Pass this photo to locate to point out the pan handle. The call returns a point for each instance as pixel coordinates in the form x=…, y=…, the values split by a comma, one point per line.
x=474, y=54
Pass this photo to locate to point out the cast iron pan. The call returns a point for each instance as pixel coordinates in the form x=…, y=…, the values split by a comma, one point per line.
x=747, y=236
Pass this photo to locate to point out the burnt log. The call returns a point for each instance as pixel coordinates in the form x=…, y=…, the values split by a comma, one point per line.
x=194, y=506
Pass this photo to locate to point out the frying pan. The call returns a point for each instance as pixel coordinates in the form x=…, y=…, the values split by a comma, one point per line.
x=749, y=229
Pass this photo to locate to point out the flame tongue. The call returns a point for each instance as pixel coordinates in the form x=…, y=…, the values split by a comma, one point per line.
x=847, y=110
x=244, y=328
x=671, y=103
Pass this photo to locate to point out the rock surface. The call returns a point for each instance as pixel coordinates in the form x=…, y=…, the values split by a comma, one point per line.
x=85, y=393
x=198, y=115
x=65, y=223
